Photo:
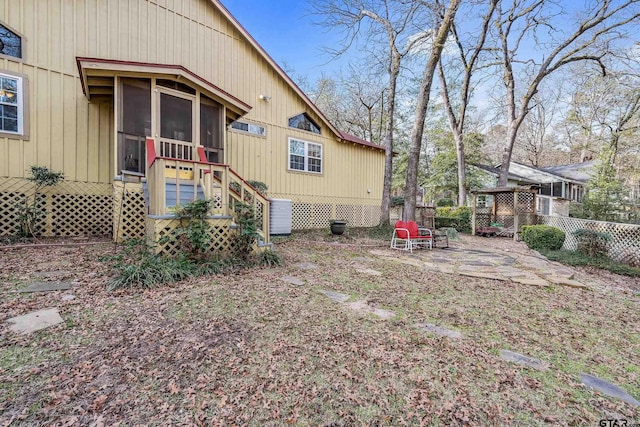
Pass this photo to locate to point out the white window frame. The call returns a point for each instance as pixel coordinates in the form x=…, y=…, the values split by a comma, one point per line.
x=20, y=81
x=306, y=156
x=251, y=128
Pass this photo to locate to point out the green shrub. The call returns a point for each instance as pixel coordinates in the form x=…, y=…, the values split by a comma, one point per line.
x=260, y=186
x=576, y=258
x=456, y=217
x=543, y=237
x=397, y=201
x=137, y=266
x=269, y=259
x=593, y=243
x=247, y=233
x=193, y=234
x=444, y=202
x=32, y=211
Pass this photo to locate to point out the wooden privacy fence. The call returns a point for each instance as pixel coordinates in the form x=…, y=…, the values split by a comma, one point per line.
x=623, y=247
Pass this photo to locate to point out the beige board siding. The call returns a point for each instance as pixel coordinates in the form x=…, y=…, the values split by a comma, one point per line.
x=348, y=171
x=70, y=134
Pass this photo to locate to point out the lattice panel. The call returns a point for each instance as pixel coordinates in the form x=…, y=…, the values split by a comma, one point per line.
x=483, y=217
x=301, y=215
x=8, y=203
x=625, y=243
x=347, y=213
x=129, y=211
x=222, y=237
x=370, y=216
x=80, y=214
x=321, y=215
x=259, y=213
x=526, y=203
x=72, y=208
x=505, y=220
x=504, y=204
x=315, y=211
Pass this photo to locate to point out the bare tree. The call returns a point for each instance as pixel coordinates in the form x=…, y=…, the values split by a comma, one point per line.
x=438, y=42
x=535, y=143
x=386, y=25
x=590, y=38
x=468, y=56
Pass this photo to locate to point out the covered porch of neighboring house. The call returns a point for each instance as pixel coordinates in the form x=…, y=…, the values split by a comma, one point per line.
x=502, y=211
x=169, y=149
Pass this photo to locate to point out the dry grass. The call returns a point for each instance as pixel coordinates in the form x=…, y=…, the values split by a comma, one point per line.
x=252, y=349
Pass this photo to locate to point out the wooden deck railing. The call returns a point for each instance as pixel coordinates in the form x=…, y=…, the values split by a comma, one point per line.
x=216, y=181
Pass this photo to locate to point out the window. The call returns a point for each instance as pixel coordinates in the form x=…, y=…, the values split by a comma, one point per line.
x=249, y=127
x=558, y=188
x=11, y=105
x=211, y=137
x=135, y=124
x=302, y=121
x=544, y=205
x=10, y=43
x=305, y=156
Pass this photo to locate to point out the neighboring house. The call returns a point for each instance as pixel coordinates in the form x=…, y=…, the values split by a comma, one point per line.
x=557, y=185
x=100, y=89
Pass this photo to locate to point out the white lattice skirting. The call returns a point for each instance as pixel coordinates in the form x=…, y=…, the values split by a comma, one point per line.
x=624, y=246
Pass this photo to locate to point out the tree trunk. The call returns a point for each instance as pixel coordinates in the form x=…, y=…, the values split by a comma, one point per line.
x=385, y=208
x=411, y=183
x=462, y=173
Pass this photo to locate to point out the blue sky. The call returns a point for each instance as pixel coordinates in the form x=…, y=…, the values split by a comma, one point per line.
x=286, y=30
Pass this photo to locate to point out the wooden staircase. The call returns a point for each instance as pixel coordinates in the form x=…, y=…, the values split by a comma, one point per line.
x=173, y=182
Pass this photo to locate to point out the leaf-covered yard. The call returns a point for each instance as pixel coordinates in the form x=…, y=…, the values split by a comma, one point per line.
x=254, y=349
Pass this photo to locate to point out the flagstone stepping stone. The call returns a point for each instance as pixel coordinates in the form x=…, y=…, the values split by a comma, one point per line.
x=363, y=305
x=533, y=281
x=306, y=265
x=410, y=261
x=521, y=359
x=53, y=264
x=49, y=274
x=607, y=388
x=336, y=296
x=368, y=271
x=445, y=268
x=564, y=273
x=292, y=280
x=566, y=282
x=439, y=330
x=35, y=321
x=68, y=297
x=363, y=259
x=479, y=263
x=45, y=287
x=482, y=275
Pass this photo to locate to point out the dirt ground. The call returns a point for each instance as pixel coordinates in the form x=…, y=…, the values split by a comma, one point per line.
x=254, y=349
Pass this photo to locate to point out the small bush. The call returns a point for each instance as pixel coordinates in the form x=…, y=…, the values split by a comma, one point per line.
x=575, y=258
x=456, y=217
x=397, y=201
x=593, y=243
x=269, y=259
x=32, y=211
x=260, y=186
x=444, y=202
x=543, y=237
x=137, y=266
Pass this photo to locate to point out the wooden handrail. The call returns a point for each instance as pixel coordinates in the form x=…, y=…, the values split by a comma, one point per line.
x=204, y=174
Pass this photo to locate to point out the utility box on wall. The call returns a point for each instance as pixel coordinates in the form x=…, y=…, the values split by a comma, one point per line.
x=280, y=217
